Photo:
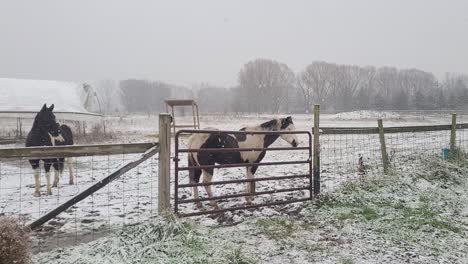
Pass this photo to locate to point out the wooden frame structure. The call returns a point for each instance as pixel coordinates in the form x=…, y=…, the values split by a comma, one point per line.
x=196, y=118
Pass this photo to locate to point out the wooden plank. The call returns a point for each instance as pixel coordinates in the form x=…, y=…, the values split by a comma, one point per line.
x=164, y=193
x=94, y=188
x=453, y=133
x=74, y=151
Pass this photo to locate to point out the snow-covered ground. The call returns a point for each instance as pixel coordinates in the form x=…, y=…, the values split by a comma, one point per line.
x=133, y=198
x=419, y=216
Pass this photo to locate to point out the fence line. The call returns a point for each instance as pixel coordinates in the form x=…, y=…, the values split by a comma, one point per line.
x=349, y=152
x=115, y=184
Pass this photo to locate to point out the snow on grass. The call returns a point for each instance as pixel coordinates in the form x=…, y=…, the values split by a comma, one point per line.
x=164, y=241
x=419, y=216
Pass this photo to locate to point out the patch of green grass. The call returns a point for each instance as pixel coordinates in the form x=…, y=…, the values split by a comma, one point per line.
x=457, y=155
x=346, y=216
x=346, y=261
x=425, y=215
x=366, y=212
x=236, y=256
x=369, y=213
x=449, y=172
x=277, y=228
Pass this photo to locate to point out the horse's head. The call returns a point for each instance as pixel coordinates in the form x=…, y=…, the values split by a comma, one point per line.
x=45, y=120
x=288, y=125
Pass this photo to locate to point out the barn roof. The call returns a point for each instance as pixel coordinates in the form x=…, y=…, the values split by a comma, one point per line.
x=24, y=98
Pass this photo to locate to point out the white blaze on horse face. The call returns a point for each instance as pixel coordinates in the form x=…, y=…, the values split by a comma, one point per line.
x=290, y=138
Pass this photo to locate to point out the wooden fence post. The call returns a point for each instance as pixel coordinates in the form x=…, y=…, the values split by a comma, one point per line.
x=383, y=147
x=453, y=134
x=316, y=133
x=164, y=194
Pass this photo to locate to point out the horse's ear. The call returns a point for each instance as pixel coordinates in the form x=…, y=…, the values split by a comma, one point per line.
x=44, y=107
x=51, y=108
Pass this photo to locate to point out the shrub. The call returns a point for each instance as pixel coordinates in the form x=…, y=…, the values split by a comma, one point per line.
x=14, y=242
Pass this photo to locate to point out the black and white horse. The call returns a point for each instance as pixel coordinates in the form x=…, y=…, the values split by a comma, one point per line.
x=46, y=132
x=218, y=140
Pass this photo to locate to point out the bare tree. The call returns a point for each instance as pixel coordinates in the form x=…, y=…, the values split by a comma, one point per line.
x=264, y=84
x=109, y=95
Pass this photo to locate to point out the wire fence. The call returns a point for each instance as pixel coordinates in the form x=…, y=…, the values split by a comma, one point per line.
x=350, y=153
x=130, y=199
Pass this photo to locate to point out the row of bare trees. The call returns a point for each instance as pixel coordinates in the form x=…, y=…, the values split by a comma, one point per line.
x=347, y=87
x=268, y=86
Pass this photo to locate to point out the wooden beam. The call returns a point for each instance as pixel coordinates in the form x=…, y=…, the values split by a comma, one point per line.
x=453, y=133
x=74, y=151
x=164, y=193
x=387, y=130
x=383, y=147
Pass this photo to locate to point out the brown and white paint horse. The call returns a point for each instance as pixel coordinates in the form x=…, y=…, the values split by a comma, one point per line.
x=218, y=140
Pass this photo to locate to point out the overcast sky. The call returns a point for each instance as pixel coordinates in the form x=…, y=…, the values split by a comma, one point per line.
x=185, y=42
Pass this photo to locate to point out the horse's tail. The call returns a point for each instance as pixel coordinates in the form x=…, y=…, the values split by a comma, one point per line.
x=67, y=134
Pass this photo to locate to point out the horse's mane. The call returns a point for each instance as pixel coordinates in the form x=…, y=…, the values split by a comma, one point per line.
x=270, y=124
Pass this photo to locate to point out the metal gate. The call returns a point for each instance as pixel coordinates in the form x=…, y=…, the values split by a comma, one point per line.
x=306, y=175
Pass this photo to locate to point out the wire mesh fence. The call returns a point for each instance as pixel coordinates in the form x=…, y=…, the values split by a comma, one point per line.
x=350, y=153
x=130, y=199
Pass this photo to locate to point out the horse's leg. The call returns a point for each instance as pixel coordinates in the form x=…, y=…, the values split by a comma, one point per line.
x=194, y=177
x=250, y=185
x=207, y=177
x=57, y=172
x=69, y=161
x=47, y=165
x=37, y=177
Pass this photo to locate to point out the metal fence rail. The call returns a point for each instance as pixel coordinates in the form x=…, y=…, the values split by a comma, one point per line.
x=297, y=182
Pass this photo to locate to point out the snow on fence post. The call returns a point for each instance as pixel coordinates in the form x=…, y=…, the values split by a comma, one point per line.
x=383, y=147
x=316, y=133
x=453, y=133
x=164, y=195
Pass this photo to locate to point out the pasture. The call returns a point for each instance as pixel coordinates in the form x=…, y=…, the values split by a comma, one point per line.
x=132, y=199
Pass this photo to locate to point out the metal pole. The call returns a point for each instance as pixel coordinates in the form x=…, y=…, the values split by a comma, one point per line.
x=164, y=165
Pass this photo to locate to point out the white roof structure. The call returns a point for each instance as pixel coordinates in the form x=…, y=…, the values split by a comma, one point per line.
x=23, y=98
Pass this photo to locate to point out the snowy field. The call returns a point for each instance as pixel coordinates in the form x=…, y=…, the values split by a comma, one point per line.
x=420, y=216
x=133, y=198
